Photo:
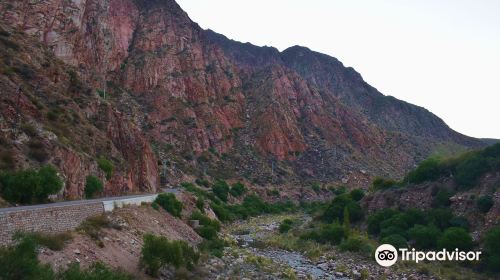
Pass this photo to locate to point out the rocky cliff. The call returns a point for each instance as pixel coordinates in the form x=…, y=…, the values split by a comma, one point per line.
x=140, y=84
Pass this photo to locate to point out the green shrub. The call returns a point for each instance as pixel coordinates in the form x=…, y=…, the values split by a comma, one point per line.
x=335, y=211
x=340, y=190
x=395, y=240
x=440, y=217
x=208, y=228
x=30, y=186
x=93, y=226
x=106, y=166
x=460, y=222
x=214, y=247
x=200, y=203
x=491, y=247
x=484, y=203
x=93, y=185
x=285, y=226
x=455, y=237
x=383, y=184
x=238, y=189
x=357, y=194
x=316, y=187
x=169, y=202
x=221, y=189
x=442, y=199
x=327, y=233
x=54, y=242
x=375, y=219
x=203, y=183
x=469, y=170
x=223, y=214
x=158, y=251
x=428, y=170
x=425, y=237
x=356, y=243
x=21, y=262
x=97, y=271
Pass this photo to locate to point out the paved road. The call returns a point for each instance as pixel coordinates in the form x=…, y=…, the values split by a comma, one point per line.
x=78, y=202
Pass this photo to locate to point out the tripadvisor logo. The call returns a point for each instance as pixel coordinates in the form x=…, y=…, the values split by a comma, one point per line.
x=386, y=255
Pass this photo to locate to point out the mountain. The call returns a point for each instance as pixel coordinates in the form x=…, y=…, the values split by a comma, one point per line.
x=138, y=84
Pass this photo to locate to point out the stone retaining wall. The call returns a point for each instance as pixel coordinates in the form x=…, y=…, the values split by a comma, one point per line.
x=50, y=219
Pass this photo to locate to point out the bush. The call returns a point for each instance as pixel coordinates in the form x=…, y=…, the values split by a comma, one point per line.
x=491, y=249
x=316, y=187
x=200, y=203
x=428, y=170
x=469, y=170
x=168, y=202
x=375, y=219
x=328, y=233
x=285, y=226
x=425, y=237
x=442, y=199
x=93, y=225
x=214, y=247
x=208, y=228
x=30, y=186
x=158, y=251
x=221, y=189
x=21, y=262
x=54, y=242
x=455, y=237
x=335, y=211
x=356, y=243
x=440, y=217
x=222, y=212
x=93, y=185
x=357, y=194
x=484, y=203
x=395, y=240
x=202, y=183
x=238, y=189
x=460, y=222
x=96, y=271
x=106, y=166
x=382, y=184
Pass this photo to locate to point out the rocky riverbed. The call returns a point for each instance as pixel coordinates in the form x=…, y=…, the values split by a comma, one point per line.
x=250, y=256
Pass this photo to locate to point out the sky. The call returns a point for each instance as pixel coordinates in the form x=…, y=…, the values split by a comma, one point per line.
x=442, y=55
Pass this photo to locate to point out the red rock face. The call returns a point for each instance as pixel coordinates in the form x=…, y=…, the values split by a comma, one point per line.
x=176, y=96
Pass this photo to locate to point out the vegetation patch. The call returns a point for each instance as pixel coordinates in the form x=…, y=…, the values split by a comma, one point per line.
x=169, y=202
x=158, y=251
x=30, y=186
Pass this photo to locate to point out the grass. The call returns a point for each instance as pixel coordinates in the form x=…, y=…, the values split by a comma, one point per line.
x=94, y=225
x=54, y=242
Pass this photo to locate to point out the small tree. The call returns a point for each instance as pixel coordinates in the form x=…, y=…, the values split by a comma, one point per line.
x=93, y=185
x=30, y=186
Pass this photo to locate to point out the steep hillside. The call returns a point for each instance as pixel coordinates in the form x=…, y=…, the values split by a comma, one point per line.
x=161, y=99
x=467, y=184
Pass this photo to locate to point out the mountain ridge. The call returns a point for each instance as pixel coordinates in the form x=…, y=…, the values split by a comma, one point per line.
x=176, y=101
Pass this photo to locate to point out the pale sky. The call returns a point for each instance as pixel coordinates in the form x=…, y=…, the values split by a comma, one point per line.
x=442, y=55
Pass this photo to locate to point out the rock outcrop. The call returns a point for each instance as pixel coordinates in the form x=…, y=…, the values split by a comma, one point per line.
x=161, y=97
